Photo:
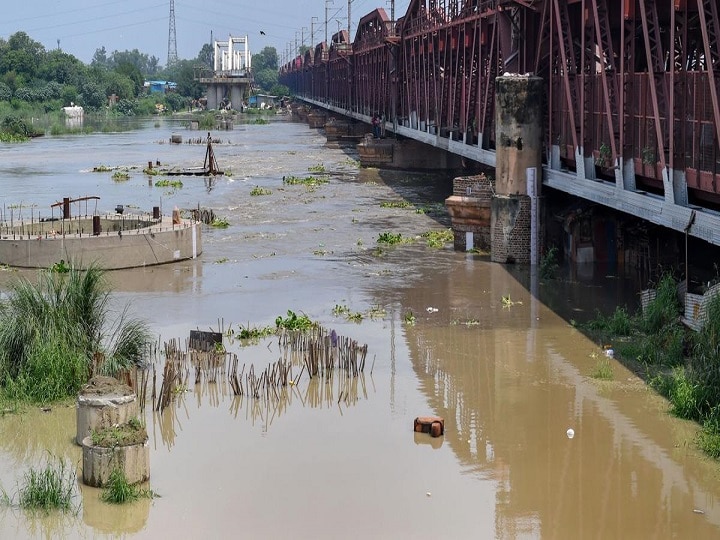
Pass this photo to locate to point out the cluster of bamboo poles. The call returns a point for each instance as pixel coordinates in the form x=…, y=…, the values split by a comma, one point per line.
x=317, y=352
x=179, y=364
x=322, y=352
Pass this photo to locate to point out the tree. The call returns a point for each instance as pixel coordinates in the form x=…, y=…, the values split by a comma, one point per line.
x=62, y=68
x=266, y=78
x=206, y=56
x=265, y=59
x=132, y=72
x=100, y=58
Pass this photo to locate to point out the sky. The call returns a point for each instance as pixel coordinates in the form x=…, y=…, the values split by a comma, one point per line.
x=82, y=26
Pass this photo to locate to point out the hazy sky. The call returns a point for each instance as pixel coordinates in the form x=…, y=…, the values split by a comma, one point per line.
x=85, y=25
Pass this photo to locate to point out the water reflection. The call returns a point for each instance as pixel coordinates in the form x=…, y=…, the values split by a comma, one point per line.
x=510, y=385
x=338, y=392
x=114, y=518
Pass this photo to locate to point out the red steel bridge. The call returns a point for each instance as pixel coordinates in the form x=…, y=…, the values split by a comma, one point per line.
x=632, y=106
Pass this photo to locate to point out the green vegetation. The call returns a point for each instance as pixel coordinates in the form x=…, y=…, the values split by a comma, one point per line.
x=253, y=332
x=392, y=238
x=53, y=331
x=438, y=239
x=151, y=171
x=119, y=491
x=102, y=168
x=508, y=302
x=310, y=181
x=50, y=488
x=683, y=366
x=294, y=322
x=409, y=317
x=133, y=432
x=345, y=311
x=603, y=370
x=258, y=191
x=220, y=223
x=169, y=183
x=120, y=176
x=261, y=121
x=319, y=168
x=549, y=264
x=396, y=204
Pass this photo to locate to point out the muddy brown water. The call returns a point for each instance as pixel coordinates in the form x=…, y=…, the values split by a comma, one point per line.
x=509, y=381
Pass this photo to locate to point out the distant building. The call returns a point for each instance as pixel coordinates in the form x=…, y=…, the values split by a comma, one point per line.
x=160, y=87
x=262, y=101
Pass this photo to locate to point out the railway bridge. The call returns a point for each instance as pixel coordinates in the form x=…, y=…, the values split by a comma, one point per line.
x=630, y=112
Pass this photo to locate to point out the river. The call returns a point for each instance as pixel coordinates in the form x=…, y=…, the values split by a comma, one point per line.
x=509, y=379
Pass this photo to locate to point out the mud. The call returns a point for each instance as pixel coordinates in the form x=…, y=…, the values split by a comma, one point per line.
x=103, y=386
x=327, y=460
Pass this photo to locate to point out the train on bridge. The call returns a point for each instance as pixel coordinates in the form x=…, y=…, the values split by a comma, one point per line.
x=631, y=92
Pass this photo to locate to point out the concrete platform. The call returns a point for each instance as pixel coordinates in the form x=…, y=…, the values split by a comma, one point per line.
x=128, y=241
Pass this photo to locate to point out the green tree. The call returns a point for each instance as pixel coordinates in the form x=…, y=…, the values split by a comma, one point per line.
x=62, y=68
x=265, y=59
x=132, y=72
x=266, y=78
x=100, y=58
x=206, y=56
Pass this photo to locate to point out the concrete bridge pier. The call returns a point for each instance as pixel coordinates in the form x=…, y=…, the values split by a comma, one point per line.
x=405, y=154
x=514, y=222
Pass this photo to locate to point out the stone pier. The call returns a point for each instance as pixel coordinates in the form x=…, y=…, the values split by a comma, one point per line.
x=515, y=215
x=405, y=154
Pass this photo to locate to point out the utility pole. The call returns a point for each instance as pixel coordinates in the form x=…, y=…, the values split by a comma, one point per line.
x=312, y=31
x=302, y=35
x=172, y=38
x=296, y=43
x=349, y=2
x=327, y=2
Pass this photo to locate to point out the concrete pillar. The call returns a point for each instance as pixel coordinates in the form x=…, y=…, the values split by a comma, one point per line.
x=102, y=403
x=515, y=219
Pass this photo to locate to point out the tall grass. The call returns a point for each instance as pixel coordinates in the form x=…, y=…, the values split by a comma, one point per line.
x=119, y=491
x=50, y=488
x=51, y=330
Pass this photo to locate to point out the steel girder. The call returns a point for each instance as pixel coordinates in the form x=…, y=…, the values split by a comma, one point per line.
x=632, y=86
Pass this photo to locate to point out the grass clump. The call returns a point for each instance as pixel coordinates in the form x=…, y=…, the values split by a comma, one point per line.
x=409, y=317
x=49, y=488
x=252, y=332
x=220, y=223
x=53, y=330
x=102, y=168
x=294, y=321
x=396, y=204
x=319, y=168
x=603, y=370
x=309, y=181
x=119, y=491
x=392, y=238
x=133, y=432
x=169, y=183
x=258, y=191
x=120, y=176
x=438, y=239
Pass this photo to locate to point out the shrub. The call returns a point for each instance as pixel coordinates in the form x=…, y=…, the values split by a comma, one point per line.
x=51, y=331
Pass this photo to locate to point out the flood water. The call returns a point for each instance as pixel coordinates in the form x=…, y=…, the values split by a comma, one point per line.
x=343, y=462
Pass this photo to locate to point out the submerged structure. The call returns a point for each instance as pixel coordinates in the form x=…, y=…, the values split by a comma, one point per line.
x=111, y=241
x=228, y=84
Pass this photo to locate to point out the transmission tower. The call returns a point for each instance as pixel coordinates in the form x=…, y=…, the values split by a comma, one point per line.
x=172, y=39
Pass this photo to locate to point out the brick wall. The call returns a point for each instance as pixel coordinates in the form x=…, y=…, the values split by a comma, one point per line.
x=481, y=187
x=510, y=229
